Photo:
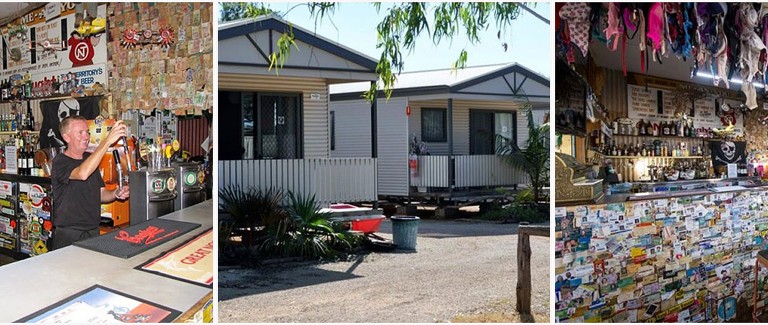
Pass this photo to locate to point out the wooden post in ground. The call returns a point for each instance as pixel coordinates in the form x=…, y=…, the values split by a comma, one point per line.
x=524, y=264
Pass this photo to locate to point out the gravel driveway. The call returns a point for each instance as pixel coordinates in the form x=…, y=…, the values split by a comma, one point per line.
x=459, y=268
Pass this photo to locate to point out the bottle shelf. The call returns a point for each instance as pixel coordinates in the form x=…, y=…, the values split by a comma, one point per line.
x=51, y=97
x=17, y=132
x=658, y=136
x=656, y=157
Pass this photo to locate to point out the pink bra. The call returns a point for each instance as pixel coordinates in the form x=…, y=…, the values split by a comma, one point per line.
x=614, y=26
x=656, y=25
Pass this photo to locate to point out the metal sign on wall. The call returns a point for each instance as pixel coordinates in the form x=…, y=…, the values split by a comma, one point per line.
x=49, y=41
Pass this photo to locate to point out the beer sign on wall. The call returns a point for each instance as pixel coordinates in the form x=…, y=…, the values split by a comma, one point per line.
x=51, y=41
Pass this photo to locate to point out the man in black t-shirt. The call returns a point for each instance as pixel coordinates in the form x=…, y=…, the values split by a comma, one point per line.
x=78, y=189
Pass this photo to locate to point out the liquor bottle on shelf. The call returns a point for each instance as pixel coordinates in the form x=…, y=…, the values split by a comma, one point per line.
x=31, y=170
x=30, y=119
x=21, y=160
x=31, y=122
x=3, y=90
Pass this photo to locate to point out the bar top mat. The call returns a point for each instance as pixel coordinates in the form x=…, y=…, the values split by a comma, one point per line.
x=99, y=304
x=190, y=262
x=137, y=239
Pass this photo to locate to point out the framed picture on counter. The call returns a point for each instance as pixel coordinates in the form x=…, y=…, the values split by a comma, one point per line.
x=99, y=304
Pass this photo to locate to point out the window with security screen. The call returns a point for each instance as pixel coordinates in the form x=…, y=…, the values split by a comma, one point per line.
x=433, y=125
x=268, y=126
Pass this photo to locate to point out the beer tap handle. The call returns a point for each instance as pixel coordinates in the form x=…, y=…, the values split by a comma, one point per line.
x=127, y=154
x=119, y=169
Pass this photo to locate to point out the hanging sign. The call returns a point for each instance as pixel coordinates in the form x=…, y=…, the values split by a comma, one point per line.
x=54, y=41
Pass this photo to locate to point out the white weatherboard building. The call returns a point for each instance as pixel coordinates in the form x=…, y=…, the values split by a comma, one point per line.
x=455, y=114
x=274, y=129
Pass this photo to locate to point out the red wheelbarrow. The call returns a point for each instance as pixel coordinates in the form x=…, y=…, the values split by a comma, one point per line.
x=362, y=220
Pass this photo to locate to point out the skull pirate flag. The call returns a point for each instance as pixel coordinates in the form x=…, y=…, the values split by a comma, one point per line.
x=728, y=152
x=56, y=110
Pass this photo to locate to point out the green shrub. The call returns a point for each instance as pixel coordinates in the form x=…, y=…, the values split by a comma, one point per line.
x=515, y=212
x=251, y=210
x=306, y=232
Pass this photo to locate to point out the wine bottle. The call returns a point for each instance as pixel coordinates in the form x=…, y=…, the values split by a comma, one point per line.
x=22, y=161
x=31, y=170
x=30, y=119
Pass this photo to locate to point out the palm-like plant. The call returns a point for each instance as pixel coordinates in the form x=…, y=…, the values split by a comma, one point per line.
x=251, y=209
x=306, y=232
x=533, y=159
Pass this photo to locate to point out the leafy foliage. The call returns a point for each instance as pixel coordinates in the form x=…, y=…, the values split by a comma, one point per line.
x=283, y=50
x=306, y=232
x=266, y=227
x=533, y=159
x=239, y=10
x=251, y=209
x=516, y=212
x=401, y=25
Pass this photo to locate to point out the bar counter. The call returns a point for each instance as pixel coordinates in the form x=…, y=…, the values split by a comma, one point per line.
x=749, y=183
x=35, y=283
x=644, y=257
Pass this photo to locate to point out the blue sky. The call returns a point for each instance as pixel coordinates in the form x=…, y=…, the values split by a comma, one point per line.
x=354, y=25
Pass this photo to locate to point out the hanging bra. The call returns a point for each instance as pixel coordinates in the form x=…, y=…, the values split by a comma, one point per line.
x=596, y=18
x=614, y=29
x=635, y=22
x=576, y=17
x=656, y=26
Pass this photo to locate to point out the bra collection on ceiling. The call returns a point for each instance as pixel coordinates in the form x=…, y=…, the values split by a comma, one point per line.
x=721, y=38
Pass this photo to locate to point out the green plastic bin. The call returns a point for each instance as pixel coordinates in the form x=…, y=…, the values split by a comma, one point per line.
x=405, y=230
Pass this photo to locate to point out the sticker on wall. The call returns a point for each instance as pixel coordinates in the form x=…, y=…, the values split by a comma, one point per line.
x=158, y=185
x=190, y=178
x=40, y=247
x=37, y=195
x=171, y=183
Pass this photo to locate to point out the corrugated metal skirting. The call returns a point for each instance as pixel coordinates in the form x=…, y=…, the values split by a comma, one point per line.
x=471, y=171
x=433, y=172
x=330, y=180
x=486, y=170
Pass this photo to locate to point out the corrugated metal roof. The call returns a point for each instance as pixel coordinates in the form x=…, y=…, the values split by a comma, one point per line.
x=433, y=78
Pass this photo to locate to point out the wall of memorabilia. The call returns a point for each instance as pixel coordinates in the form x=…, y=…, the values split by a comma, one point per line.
x=160, y=56
x=755, y=123
x=686, y=259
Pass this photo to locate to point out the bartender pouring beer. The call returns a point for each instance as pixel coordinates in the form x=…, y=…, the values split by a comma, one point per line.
x=78, y=189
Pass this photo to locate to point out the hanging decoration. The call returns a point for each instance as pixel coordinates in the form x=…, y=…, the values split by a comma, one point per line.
x=19, y=31
x=723, y=40
x=166, y=36
x=48, y=46
x=130, y=38
x=163, y=37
